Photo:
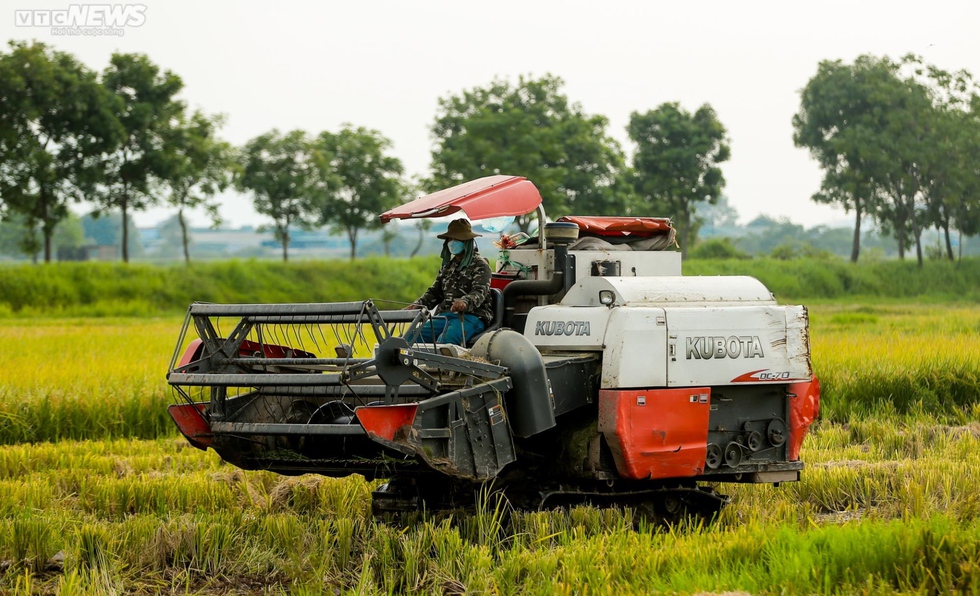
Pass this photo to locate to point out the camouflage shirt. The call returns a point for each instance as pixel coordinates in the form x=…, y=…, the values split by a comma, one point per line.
x=471, y=285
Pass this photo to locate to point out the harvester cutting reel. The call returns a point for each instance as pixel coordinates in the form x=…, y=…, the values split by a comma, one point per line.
x=263, y=397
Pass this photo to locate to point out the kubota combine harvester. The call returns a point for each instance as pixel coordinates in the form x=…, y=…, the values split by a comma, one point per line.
x=605, y=377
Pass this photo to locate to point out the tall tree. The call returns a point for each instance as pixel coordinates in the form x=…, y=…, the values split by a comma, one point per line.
x=843, y=110
x=282, y=173
x=891, y=137
x=964, y=209
x=147, y=109
x=358, y=180
x=531, y=129
x=845, y=117
x=56, y=120
x=676, y=162
x=201, y=166
x=946, y=163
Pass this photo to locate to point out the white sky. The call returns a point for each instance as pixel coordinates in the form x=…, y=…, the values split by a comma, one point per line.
x=384, y=64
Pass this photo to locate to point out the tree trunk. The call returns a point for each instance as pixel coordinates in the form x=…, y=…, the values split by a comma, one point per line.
x=125, y=229
x=183, y=236
x=683, y=233
x=949, y=245
x=418, y=245
x=48, y=232
x=352, y=237
x=856, y=243
x=47, y=226
x=285, y=246
x=918, y=244
x=900, y=233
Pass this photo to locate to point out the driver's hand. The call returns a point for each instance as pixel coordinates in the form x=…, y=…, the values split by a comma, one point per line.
x=459, y=306
x=413, y=307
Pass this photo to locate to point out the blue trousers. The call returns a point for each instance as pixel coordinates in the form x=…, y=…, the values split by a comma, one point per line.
x=448, y=329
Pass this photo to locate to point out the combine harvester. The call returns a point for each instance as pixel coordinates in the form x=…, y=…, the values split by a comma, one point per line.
x=605, y=377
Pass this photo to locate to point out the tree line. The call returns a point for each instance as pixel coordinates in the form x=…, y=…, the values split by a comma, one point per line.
x=899, y=143
x=123, y=140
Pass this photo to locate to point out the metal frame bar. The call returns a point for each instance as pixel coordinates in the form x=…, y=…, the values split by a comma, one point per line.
x=272, y=428
x=296, y=361
x=451, y=363
x=322, y=312
x=255, y=380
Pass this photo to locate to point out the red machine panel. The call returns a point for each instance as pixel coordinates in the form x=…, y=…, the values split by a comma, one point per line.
x=656, y=433
x=804, y=407
x=192, y=424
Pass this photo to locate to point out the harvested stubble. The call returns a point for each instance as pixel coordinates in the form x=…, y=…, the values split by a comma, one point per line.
x=160, y=516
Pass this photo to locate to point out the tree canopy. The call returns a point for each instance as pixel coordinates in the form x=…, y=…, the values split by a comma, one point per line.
x=56, y=121
x=676, y=163
x=894, y=140
x=898, y=142
x=531, y=129
x=359, y=180
x=146, y=108
x=281, y=173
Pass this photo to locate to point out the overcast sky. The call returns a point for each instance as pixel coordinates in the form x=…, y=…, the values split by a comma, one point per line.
x=384, y=65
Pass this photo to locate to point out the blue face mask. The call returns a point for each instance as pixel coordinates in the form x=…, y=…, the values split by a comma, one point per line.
x=456, y=246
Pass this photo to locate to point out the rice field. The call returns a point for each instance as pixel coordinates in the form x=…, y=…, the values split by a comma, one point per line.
x=105, y=378
x=903, y=358
x=84, y=378
x=99, y=496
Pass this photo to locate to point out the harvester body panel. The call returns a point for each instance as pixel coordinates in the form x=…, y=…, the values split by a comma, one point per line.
x=744, y=344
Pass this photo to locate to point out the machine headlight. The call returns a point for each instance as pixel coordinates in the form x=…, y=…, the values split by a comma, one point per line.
x=607, y=297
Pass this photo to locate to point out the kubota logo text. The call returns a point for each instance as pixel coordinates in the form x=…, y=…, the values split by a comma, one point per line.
x=562, y=328
x=734, y=346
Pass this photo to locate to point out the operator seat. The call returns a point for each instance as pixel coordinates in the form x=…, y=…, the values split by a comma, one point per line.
x=497, y=306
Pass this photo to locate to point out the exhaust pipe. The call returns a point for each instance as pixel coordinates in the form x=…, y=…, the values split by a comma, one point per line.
x=535, y=287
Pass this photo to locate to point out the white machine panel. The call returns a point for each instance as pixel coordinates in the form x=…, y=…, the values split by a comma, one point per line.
x=736, y=345
x=669, y=291
x=636, y=348
x=630, y=264
x=567, y=327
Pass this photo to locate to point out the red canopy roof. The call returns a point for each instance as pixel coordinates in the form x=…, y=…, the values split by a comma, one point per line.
x=492, y=196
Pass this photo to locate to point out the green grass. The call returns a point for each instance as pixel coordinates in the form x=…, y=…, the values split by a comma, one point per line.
x=807, y=280
x=115, y=289
x=85, y=378
x=903, y=358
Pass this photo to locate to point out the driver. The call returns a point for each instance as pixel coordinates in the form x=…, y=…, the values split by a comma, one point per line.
x=461, y=291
